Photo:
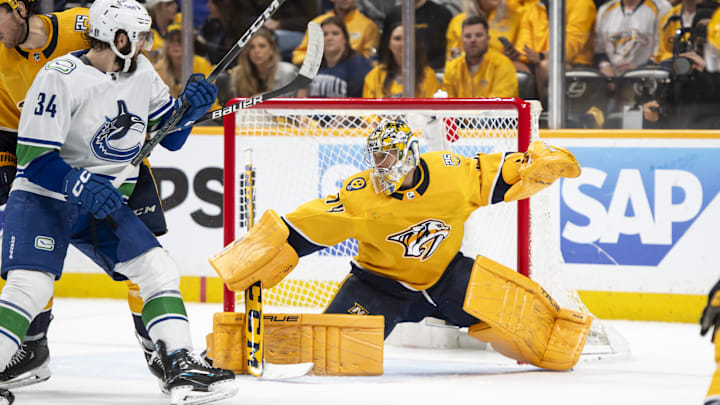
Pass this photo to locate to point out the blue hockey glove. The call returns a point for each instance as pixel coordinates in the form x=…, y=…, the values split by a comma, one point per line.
x=711, y=314
x=92, y=192
x=200, y=95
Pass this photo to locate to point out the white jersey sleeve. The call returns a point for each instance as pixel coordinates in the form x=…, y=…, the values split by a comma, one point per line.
x=161, y=102
x=46, y=116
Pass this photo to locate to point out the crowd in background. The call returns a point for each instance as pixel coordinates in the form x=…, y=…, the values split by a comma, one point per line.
x=464, y=48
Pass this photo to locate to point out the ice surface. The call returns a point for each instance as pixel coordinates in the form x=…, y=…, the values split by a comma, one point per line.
x=96, y=360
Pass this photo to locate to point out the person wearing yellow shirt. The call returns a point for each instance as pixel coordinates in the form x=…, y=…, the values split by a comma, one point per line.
x=533, y=42
x=163, y=13
x=364, y=34
x=169, y=65
x=680, y=16
x=483, y=71
x=385, y=79
x=503, y=22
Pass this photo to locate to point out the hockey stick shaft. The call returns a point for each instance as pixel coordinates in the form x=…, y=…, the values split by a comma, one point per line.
x=178, y=114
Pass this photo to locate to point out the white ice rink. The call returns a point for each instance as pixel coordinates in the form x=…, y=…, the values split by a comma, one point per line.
x=96, y=360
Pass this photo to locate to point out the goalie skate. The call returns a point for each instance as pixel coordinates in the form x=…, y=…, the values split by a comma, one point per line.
x=29, y=365
x=191, y=381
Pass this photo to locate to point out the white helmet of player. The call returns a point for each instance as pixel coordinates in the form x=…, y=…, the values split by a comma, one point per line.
x=392, y=150
x=107, y=17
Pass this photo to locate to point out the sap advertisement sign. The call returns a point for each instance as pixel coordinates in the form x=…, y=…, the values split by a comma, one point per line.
x=630, y=206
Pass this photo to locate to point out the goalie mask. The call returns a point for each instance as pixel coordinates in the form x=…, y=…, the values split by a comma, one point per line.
x=107, y=17
x=712, y=47
x=392, y=152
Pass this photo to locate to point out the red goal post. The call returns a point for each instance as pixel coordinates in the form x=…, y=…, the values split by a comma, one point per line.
x=522, y=125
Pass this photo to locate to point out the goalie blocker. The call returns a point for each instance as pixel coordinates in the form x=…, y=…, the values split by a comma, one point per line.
x=496, y=298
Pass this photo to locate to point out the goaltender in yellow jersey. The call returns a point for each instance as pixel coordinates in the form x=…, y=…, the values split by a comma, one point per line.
x=407, y=213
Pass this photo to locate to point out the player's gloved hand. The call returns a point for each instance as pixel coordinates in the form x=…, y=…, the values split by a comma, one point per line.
x=92, y=192
x=711, y=314
x=200, y=95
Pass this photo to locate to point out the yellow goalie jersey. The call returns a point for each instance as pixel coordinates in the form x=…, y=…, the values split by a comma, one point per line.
x=19, y=66
x=412, y=235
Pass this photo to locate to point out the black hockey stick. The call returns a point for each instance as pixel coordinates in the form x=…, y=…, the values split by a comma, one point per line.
x=306, y=74
x=178, y=114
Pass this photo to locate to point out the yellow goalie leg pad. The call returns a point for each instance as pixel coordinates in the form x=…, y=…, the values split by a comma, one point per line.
x=521, y=320
x=337, y=344
x=537, y=169
x=262, y=254
x=714, y=390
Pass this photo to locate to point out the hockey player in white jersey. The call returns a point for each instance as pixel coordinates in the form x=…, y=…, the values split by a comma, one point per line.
x=85, y=118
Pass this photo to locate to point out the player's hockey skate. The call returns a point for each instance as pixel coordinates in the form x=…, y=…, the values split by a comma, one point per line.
x=29, y=365
x=153, y=361
x=191, y=381
x=6, y=397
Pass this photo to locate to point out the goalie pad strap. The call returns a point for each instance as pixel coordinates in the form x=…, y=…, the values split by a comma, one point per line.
x=262, y=254
x=520, y=318
x=337, y=344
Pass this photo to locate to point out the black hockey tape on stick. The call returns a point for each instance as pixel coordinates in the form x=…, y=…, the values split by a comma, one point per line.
x=308, y=71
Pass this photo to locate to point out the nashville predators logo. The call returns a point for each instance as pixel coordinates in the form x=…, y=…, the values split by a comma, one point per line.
x=422, y=240
x=358, y=309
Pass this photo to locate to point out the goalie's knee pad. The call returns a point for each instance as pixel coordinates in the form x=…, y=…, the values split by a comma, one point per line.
x=153, y=271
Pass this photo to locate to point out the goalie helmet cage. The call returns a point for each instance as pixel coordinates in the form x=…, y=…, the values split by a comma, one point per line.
x=305, y=148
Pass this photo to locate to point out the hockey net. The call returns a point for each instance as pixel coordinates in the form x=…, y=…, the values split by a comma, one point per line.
x=304, y=148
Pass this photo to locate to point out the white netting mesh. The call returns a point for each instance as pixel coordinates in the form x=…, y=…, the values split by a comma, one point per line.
x=302, y=154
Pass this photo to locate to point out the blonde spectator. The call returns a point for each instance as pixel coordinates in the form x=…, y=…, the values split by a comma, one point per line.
x=163, y=13
x=364, y=34
x=483, y=71
x=342, y=72
x=169, y=65
x=502, y=19
x=385, y=80
x=258, y=70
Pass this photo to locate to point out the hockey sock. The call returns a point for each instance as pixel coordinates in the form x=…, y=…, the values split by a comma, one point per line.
x=23, y=297
x=165, y=319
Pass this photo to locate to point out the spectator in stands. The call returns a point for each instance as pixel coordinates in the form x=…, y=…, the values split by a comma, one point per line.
x=259, y=69
x=288, y=23
x=228, y=21
x=626, y=35
x=385, y=80
x=502, y=19
x=343, y=69
x=482, y=72
x=533, y=41
x=363, y=32
x=680, y=16
x=163, y=13
x=169, y=65
x=431, y=23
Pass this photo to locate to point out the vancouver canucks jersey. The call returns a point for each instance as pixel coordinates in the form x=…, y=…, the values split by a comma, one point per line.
x=412, y=235
x=95, y=120
x=19, y=66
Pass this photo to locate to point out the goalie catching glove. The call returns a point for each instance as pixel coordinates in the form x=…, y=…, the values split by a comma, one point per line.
x=537, y=169
x=262, y=254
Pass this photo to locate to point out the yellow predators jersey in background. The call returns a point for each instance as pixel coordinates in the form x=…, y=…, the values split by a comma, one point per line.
x=18, y=66
x=412, y=235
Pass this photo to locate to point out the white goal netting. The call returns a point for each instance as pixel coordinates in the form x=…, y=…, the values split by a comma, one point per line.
x=304, y=148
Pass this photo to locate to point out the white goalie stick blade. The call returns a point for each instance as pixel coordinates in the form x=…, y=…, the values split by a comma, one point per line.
x=285, y=371
x=184, y=395
x=306, y=74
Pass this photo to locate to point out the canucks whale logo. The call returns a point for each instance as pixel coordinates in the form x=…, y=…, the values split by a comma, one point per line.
x=108, y=142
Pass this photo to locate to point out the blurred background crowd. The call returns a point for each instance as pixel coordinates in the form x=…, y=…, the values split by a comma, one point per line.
x=628, y=63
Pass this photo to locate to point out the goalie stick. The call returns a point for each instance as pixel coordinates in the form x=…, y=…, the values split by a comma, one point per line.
x=254, y=330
